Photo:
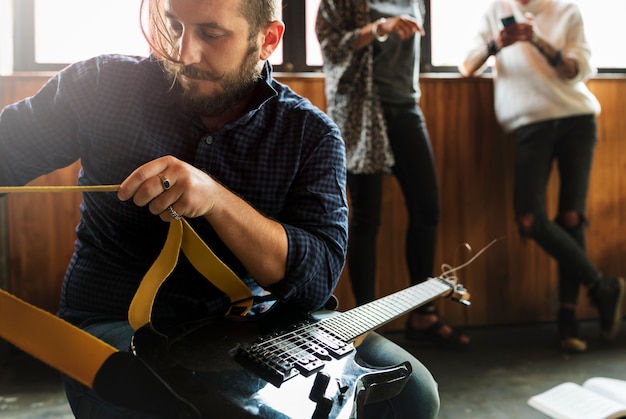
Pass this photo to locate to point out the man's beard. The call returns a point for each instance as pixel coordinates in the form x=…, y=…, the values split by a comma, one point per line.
x=230, y=88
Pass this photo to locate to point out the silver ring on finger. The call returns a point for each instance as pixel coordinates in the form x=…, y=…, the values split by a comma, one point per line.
x=173, y=213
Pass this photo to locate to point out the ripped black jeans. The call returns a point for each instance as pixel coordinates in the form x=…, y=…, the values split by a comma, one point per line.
x=569, y=142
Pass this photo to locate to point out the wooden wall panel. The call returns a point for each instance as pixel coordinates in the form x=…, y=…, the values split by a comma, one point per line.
x=607, y=195
x=40, y=226
x=41, y=237
x=511, y=282
x=475, y=161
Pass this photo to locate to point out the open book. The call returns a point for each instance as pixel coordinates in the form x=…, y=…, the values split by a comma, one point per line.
x=597, y=398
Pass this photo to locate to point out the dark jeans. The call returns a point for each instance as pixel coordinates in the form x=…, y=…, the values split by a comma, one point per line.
x=418, y=399
x=415, y=171
x=570, y=142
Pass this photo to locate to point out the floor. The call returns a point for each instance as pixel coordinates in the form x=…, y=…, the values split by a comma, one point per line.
x=508, y=365
x=30, y=389
x=505, y=367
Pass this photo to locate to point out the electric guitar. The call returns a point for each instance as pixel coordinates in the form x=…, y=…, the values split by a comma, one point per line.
x=284, y=364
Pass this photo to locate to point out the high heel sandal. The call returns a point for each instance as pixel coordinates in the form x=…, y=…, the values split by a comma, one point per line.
x=454, y=341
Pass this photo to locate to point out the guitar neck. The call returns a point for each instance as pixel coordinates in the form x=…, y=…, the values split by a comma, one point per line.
x=355, y=322
x=304, y=348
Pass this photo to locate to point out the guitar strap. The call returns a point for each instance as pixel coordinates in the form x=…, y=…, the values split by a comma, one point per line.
x=119, y=377
x=51, y=339
x=77, y=353
x=181, y=236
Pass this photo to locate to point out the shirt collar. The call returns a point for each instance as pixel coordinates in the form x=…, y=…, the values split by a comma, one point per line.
x=264, y=90
x=263, y=93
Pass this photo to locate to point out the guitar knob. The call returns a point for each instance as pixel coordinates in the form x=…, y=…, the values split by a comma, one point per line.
x=322, y=410
x=319, y=387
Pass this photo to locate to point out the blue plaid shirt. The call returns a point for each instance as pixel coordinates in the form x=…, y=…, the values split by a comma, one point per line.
x=114, y=113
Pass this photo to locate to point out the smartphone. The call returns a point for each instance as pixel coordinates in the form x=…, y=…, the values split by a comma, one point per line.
x=509, y=20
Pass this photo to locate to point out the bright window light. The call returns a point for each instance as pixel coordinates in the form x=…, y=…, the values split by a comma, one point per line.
x=453, y=29
x=90, y=29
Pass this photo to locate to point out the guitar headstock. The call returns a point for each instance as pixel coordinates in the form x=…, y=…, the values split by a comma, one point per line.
x=457, y=292
x=461, y=295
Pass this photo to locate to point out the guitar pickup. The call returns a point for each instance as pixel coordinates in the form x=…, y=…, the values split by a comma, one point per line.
x=337, y=347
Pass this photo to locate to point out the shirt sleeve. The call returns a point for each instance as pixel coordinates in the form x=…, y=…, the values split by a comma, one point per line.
x=337, y=31
x=315, y=220
x=40, y=134
x=476, y=46
x=577, y=47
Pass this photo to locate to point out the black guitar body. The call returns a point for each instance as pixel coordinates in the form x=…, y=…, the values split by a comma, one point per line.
x=281, y=364
x=238, y=368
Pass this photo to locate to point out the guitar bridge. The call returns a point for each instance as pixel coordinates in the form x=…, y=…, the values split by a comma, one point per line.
x=305, y=349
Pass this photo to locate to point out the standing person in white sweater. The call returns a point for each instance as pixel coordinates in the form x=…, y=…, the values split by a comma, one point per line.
x=541, y=65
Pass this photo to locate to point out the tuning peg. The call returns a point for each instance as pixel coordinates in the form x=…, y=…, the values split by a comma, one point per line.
x=461, y=295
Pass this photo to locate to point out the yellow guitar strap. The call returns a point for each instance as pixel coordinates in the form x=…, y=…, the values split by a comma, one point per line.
x=181, y=236
x=80, y=355
x=45, y=336
x=119, y=377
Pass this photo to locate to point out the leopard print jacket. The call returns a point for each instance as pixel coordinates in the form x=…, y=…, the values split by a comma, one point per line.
x=352, y=101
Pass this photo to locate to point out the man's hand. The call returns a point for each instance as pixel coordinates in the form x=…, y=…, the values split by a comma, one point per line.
x=170, y=188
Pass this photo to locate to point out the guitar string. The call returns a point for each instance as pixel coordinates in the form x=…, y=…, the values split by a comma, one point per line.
x=447, y=271
x=300, y=350
x=407, y=304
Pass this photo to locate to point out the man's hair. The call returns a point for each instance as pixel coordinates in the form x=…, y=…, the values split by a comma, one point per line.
x=258, y=13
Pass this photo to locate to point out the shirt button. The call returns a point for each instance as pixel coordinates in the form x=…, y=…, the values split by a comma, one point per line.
x=208, y=139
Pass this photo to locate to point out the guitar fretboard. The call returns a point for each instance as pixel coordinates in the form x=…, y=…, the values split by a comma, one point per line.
x=306, y=347
x=355, y=322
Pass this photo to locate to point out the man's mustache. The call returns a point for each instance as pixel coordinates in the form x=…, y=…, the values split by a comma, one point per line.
x=193, y=72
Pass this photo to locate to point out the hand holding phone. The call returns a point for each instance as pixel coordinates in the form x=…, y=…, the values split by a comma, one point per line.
x=509, y=20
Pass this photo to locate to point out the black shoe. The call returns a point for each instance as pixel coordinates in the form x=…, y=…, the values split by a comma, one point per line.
x=454, y=341
x=607, y=295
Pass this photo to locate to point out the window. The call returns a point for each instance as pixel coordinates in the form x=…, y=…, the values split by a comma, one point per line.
x=456, y=16
x=301, y=49
x=46, y=37
x=313, y=50
x=60, y=40
x=6, y=31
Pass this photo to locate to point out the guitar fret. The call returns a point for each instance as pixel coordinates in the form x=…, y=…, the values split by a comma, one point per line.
x=306, y=347
x=357, y=321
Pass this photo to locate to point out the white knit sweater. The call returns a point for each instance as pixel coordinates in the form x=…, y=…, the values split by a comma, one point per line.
x=526, y=88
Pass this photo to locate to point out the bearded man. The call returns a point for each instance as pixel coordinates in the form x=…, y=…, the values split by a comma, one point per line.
x=199, y=130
